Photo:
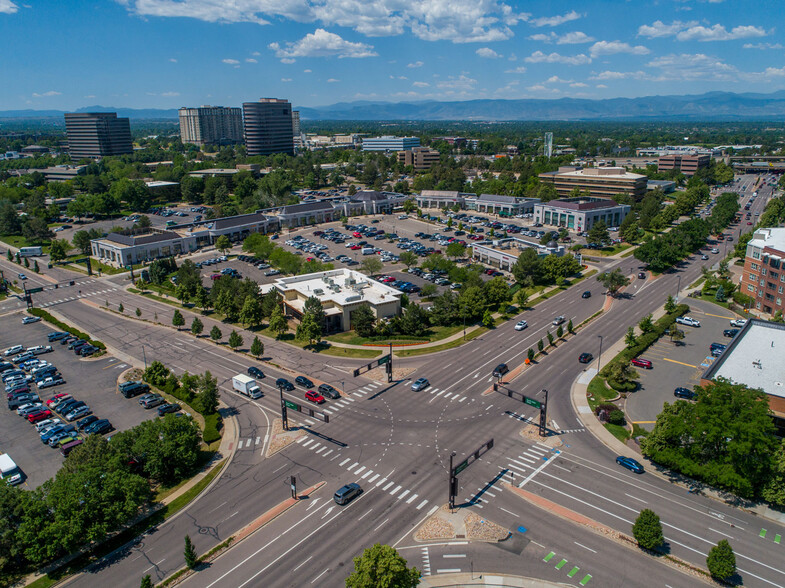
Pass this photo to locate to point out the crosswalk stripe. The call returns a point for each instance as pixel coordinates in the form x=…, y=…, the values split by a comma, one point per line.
x=372, y=479
x=519, y=464
x=517, y=469
x=382, y=481
x=404, y=493
x=440, y=393
x=315, y=446
x=351, y=467
x=366, y=474
x=307, y=443
x=423, y=503
x=462, y=399
x=527, y=459
x=301, y=439
x=392, y=492
x=358, y=394
x=360, y=470
x=344, y=461
x=321, y=449
x=446, y=396
x=411, y=499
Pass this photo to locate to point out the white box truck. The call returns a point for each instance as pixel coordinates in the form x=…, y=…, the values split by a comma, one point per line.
x=246, y=385
x=8, y=470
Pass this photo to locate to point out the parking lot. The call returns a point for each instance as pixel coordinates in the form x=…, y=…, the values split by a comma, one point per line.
x=677, y=366
x=93, y=381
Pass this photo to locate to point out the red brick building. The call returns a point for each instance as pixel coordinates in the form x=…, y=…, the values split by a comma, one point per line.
x=764, y=275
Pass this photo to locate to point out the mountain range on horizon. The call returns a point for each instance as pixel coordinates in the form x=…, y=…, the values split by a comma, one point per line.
x=711, y=106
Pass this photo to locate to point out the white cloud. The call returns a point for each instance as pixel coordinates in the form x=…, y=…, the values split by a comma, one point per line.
x=660, y=29
x=613, y=47
x=719, y=33
x=288, y=60
x=322, y=43
x=600, y=86
x=690, y=67
x=556, y=80
x=488, y=53
x=46, y=94
x=170, y=94
x=543, y=89
x=416, y=64
x=8, y=7
x=306, y=71
x=250, y=60
x=574, y=38
x=579, y=85
x=552, y=21
x=619, y=75
x=333, y=81
x=286, y=79
x=544, y=37
x=256, y=54
x=459, y=21
x=398, y=77
x=762, y=46
x=230, y=61
x=461, y=82
x=540, y=57
x=420, y=84
x=90, y=96
x=173, y=60
x=518, y=70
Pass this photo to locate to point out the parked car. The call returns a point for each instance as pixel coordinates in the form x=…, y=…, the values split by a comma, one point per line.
x=30, y=319
x=639, y=362
x=255, y=372
x=168, y=408
x=585, y=358
x=99, y=427
x=285, y=384
x=738, y=322
x=630, y=464
x=687, y=320
x=51, y=381
x=420, y=384
x=88, y=420
x=642, y=275
x=303, y=381
x=314, y=397
x=78, y=413
x=521, y=325
x=151, y=400
x=730, y=333
x=39, y=415
x=684, y=393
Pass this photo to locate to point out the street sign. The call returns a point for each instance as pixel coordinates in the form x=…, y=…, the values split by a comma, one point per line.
x=292, y=405
x=34, y=290
x=384, y=360
x=461, y=466
x=532, y=402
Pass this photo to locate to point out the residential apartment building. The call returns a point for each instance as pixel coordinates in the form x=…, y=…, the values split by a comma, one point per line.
x=268, y=127
x=764, y=271
x=687, y=164
x=420, y=158
x=599, y=182
x=580, y=214
x=211, y=125
x=97, y=134
x=390, y=143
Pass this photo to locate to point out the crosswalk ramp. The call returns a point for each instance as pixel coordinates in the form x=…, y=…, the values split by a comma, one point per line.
x=364, y=474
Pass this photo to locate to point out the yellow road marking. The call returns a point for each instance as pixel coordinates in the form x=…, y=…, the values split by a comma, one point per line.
x=719, y=316
x=680, y=362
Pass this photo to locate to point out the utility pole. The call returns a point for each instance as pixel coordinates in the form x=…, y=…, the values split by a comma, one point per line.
x=452, y=484
x=284, y=415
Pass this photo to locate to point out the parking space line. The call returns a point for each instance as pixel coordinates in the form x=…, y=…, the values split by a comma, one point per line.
x=680, y=362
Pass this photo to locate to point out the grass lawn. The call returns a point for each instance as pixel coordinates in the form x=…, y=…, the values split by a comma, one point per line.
x=434, y=334
x=599, y=392
x=444, y=346
x=618, y=431
x=19, y=241
x=607, y=251
x=628, y=253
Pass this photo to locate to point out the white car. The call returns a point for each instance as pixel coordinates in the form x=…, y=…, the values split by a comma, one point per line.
x=30, y=319
x=521, y=325
x=738, y=322
x=689, y=321
x=14, y=350
x=558, y=320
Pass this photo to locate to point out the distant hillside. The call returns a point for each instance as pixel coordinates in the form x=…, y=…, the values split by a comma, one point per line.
x=722, y=106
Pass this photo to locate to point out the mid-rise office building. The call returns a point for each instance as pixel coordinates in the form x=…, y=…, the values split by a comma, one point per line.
x=97, y=134
x=687, y=164
x=211, y=125
x=599, y=182
x=764, y=270
x=268, y=127
x=580, y=214
x=420, y=158
x=390, y=143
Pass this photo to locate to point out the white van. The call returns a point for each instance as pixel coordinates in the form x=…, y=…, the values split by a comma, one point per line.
x=368, y=251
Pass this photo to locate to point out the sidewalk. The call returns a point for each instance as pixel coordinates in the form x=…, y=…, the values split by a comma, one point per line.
x=478, y=578
x=595, y=427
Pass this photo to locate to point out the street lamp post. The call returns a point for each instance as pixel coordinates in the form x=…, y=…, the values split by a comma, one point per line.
x=678, y=288
x=599, y=357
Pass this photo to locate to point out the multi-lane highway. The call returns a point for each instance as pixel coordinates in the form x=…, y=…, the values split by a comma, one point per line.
x=396, y=443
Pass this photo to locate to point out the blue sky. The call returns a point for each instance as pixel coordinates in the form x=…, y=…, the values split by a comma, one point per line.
x=65, y=54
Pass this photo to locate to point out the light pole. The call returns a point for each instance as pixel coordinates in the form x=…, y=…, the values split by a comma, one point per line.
x=678, y=288
x=599, y=357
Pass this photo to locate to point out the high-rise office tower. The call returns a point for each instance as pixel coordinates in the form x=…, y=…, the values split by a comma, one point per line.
x=97, y=134
x=267, y=125
x=548, y=151
x=211, y=125
x=298, y=140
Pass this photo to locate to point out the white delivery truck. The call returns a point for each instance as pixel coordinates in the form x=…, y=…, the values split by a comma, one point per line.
x=8, y=470
x=246, y=385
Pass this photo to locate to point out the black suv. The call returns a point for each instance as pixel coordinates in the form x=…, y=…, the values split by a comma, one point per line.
x=684, y=393
x=303, y=381
x=500, y=370
x=255, y=372
x=131, y=389
x=329, y=391
x=285, y=384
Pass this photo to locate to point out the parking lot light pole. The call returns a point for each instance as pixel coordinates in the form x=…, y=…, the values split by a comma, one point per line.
x=599, y=357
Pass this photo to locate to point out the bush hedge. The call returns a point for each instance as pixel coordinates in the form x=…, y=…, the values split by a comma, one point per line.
x=64, y=327
x=212, y=428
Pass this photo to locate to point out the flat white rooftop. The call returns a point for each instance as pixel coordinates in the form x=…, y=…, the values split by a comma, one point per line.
x=774, y=238
x=341, y=286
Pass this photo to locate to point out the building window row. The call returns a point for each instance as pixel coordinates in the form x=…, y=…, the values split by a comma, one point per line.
x=750, y=288
x=754, y=266
x=753, y=277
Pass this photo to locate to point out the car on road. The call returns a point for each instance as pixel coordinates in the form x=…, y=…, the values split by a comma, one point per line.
x=22, y=276
x=420, y=384
x=521, y=325
x=585, y=358
x=730, y=333
x=642, y=275
x=500, y=370
x=639, y=362
x=285, y=384
x=715, y=250
x=30, y=319
x=684, y=393
x=99, y=427
x=738, y=322
x=704, y=257
x=314, y=397
x=347, y=493
x=303, y=381
x=168, y=408
x=329, y=391
x=630, y=464
x=586, y=294
x=255, y=372
x=687, y=320
x=558, y=320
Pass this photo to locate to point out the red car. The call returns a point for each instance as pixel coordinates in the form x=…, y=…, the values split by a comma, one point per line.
x=57, y=397
x=314, y=397
x=644, y=363
x=355, y=247
x=39, y=416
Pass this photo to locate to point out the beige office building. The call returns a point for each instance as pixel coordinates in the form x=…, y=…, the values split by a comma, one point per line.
x=420, y=158
x=211, y=125
x=599, y=182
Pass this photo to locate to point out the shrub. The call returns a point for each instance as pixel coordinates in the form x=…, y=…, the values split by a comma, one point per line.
x=616, y=417
x=647, y=530
x=721, y=561
x=212, y=428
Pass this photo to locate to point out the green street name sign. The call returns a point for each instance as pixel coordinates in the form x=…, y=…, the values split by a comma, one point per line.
x=461, y=466
x=532, y=402
x=289, y=404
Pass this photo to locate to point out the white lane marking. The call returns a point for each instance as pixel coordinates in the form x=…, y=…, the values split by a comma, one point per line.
x=302, y=564
x=320, y=575
x=587, y=548
x=365, y=514
x=380, y=524
x=636, y=498
x=453, y=555
x=448, y=570
x=328, y=453
x=509, y=512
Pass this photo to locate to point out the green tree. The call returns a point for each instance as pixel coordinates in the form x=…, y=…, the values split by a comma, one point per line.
x=197, y=326
x=497, y=292
x=36, y=268
x=146, y=582
x=721, y=561
x=670, y=304
x=252, y=313
x=720, y=295
x=559, y=332
x=120, y=308
x=371, y=265
x=257, y=347
x=647, y=530
x=138, y=312
x=676, y=334
x=177, y=319
x=223, y=244
x=409, y=259
x=487, y=319
x=363, y=321
x=598, y=232
x=215, y=333
x=550, y=338
x=278, y=324
x=613, y=281
x=428, y=290
x=569, y=326
x=58, y=249
x=646, y=324
x=190, y=554
x=630, y=340
x=540, y=345
x=308, y=329
x=208, y=393
x=530, y=354
x=26, y=262
x=235, y=340
x=522, y=298
x=456, y=250
x=381, y=566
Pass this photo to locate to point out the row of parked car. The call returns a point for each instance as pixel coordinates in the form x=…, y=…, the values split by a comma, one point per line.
x=80, y=347
x=148, y=400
